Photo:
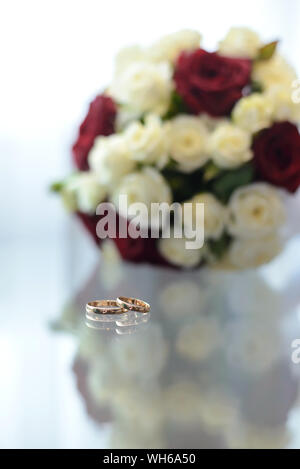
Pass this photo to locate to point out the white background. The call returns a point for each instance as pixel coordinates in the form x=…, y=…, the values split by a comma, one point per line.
x=56, y=55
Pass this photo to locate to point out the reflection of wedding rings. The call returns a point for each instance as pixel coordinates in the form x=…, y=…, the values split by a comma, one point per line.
x=103, y=310
x=133, y=304
x=122, y=316
x=131, y=318
x=127, y=323
x=101, y=326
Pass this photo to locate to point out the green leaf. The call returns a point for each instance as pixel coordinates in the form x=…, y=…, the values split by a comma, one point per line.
x=256, y=87
x=172, y=165
x=211, y=171
x=220, y=246
x=267, y=51
x=184, y=185
x=177, y=106
x=56, y=186
x=229, y=181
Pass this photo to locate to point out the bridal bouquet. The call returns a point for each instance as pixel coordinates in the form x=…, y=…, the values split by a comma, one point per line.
x=180, y=124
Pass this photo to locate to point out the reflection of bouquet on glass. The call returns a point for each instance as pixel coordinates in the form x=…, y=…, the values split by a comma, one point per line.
x=214, y=371
x=180, y=124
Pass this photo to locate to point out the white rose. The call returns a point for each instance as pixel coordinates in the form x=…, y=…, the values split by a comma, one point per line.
x=240, y=42
x=110, y=159
x=284, y=108
x=230, y=146
x=147, y=142
x=125, y=116
x=254, y=211
x=174, y=251
x=83, y=192
x=250, y=253
x=147, y=186
x=273, y=72
x=188, y=138
x=199, y=339
x=169, y=47
x=253, y=112
x=144, y=87
x=127, y=57
x=214, y=215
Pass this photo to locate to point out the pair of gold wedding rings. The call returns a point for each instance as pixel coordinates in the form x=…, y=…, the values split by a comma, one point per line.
x=96, y=309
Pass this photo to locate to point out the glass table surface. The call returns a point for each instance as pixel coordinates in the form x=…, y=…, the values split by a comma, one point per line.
x=214, y=365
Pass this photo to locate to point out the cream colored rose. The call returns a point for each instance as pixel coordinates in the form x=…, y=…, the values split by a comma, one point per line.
x=273, y=72
x=110, y=159
x=147, y=142
x=253, y=112
x=284, y=108
x=251, y=253
x=240, y=42
x=125, y=117
x=214, y=215
x=83, y=192
x=169, y=47
x=230, y=146
x=199, y=339
x=254, y=211
x=147, y=186
x=188, y=139
x=174, y=251
x=127, y=56
x=144, y=87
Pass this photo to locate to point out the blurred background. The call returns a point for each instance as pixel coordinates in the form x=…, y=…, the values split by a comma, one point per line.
x=55, y=56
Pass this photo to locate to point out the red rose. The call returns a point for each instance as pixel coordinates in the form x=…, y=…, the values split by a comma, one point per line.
x=210, y=83
x=134, y=250
x=139, y=249
x=277, y=155
x=99, y=121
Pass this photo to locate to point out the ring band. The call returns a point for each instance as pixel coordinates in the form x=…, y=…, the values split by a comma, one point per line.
x=96, y=308
x=133, y=304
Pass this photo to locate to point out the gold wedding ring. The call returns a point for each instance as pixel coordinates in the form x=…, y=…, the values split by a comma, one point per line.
x=95, y=309
x=133, y=304
x=107, y=310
